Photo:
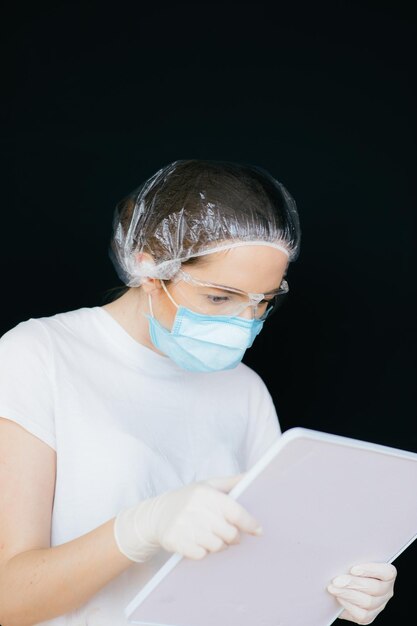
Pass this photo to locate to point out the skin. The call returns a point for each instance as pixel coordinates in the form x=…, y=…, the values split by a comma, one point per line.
x=39, y=582
x=254, y=269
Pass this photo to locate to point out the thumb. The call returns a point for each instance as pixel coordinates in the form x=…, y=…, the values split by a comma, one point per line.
x=225, y=484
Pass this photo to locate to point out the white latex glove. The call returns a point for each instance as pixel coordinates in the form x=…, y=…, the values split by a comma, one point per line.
x=365, y=591
x=194, y=520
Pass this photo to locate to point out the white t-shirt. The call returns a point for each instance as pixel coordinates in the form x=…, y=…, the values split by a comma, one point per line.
x=126, y=423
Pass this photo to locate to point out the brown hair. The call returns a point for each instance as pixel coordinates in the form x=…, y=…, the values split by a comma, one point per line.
x=189, y=205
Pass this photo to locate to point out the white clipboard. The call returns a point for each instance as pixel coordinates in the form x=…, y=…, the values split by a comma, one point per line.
x=325, y=502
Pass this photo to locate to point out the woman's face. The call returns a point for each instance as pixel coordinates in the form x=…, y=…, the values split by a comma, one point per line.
x=252, y=269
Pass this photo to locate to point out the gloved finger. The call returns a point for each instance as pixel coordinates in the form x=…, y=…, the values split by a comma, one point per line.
x=196, y=553
x=363, y=600
x=225, y=484
x=371, y=586
x=347, y=616
x=237, y=515
x=356, y=613
x=381, y=571
x=211, y=542
x=228, y=533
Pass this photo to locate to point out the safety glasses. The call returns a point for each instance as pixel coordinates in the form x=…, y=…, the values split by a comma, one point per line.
x=214, y=299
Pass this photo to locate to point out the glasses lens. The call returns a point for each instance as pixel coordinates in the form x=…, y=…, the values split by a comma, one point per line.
x=210, y=300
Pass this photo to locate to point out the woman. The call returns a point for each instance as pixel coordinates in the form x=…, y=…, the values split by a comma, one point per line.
x=125, y=426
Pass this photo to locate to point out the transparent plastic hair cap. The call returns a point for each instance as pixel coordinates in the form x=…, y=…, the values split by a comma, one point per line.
x=195, y=207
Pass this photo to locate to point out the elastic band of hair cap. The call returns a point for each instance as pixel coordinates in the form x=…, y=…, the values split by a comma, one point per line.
x=167, y=269
x=238, y=244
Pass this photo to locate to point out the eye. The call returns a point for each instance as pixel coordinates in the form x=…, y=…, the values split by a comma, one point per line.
x=218, y=299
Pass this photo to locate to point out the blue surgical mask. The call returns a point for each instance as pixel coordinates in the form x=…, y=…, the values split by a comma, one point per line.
x=204, y=343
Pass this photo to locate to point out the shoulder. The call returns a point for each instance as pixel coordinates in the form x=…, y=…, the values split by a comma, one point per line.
x=242, y=381
x=39, y=334
x=25, y=335
x=243, y=374
x=59, y=323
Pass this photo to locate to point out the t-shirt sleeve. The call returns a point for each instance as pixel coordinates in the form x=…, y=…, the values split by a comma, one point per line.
x=263, y=427
x=26, y=390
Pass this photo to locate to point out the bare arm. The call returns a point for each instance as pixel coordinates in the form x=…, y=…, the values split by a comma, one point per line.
x=38, y=582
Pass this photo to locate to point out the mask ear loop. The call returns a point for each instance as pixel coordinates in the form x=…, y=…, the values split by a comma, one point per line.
x=168, y=294
x=150, y=305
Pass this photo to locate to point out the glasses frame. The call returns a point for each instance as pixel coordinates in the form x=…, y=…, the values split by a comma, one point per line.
x=254, y=298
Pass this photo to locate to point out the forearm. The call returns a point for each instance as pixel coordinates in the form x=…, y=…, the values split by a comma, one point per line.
x=40, y=584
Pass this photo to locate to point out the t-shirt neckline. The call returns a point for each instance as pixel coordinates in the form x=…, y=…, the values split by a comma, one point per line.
x=133, y=349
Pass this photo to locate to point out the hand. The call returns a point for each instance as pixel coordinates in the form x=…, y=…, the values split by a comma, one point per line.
x=365, y=591
x=192, y=521
x=197, y=519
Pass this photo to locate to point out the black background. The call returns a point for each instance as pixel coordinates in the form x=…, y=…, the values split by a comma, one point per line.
x=97, y=97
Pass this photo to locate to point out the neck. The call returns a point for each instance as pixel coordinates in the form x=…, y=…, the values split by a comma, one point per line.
x=129, y=311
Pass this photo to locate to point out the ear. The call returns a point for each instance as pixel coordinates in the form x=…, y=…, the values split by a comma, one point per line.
x=149, y=285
